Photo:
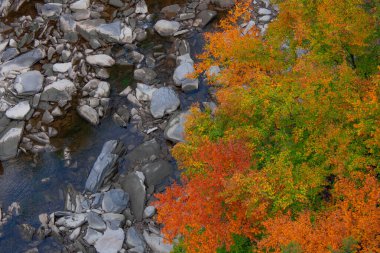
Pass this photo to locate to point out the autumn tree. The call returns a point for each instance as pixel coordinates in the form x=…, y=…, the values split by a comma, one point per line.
x=290, y=132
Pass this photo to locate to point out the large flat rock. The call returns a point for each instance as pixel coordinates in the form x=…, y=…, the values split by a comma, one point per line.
x=10, y=138
x=23, y=61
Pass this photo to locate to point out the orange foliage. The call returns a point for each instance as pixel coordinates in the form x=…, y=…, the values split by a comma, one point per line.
x=355, y=213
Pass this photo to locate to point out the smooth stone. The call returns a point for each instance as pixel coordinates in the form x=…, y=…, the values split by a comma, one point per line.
x=62, y=67
x=181, y=73
x=133, y=184
x=10, y=139
x=175, y=130
x=104, y=165
x=74, y=235
x=110, y=242
x=156, y=172
x=225, y=4
x=80, y=5
x=89, y=114
x=116, y=3
x=116, y=219
x=101, y=88
x=149, y=211
x=47, y=118
x=29, y=83
x=9, y=54
x=141, y=7
x=115, y=201
x=164, y=101
x=134, y=239
x=92, y=236
x=166, y=28
x=110, y=32
x=19, y=111
x=263, y=11
x=101, y=60
x=96, y=222
x=156, y=243
x=49, y=9
x=265, y=18
x=171, y=10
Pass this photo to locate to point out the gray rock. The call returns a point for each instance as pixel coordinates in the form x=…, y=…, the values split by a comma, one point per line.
x=19, y=111
x=9, y=140
x=101, y=60
x=121, y=117
x=164, y=101
x=144, y=92
x=136, y=250
x=115, y=219
x=264, y=11
x=49, y=9
x=149, y=211
x=134, y=239
x=95, y=221
x=47, y=118
x=104, y=165
x=171, y=10
x=23, y=61
x=265, y=18
x=9, y=54
x=110, y=242
x=97, y=88
x=110, y=32
x=68, y=26
x=88, y=113
x=59, y=90
x=156, y=243
x=26, y=231
x=115, y=201
x=156, y=172
x=62, y=67
x=166, y=28
x=225, y=4
x=133, y=184
x=174, y=131
x=206, y=16
x=92, y=236
x=72, y=221
x=144, y=151
x=87, y=28
x=181, y=73
x=145, y=75
x=29, y=83
x=116, y=3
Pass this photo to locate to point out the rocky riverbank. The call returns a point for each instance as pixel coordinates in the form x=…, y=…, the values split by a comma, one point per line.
x=56, y=60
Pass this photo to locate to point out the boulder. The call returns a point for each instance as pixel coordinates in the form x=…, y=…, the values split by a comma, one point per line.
x=156, y=172
x=164, y=101
x=19, y=111
x=23, y=61
x=115, y=201
x=133, y=184
x=111, y=241
x=145, y=75
x=134, y=239
x=166, y=28
x=29, y=83
x=60, y=90
x=89, y=114
x=87, y=28
x=206, y=16
x=174, y=131
x=156, y=243
x=104, y=165
x=10, y=138
x=101, y=60
x=144, y=151
x=92, y=236
x=95, y=221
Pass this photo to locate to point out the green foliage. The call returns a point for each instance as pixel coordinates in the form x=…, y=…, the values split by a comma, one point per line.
x=292, y=247
x=241, y=245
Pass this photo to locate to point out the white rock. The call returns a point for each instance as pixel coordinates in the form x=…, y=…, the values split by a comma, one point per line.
x=263, y=11
x=89, y=114
x=102, y=60
x=164, y=101
x=149, y=211
x=19, y=111
x=72, y=221
x=29, y=83
x=144, y=92
x=166, y=28
x=80, y=5
x=141, y=7
x=62, y=67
